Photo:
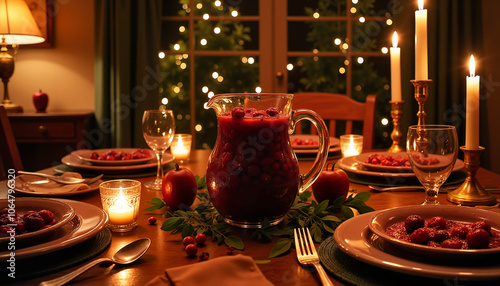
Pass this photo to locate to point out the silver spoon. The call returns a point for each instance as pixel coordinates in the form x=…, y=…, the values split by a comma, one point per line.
x=126, y=255
x=62, y=180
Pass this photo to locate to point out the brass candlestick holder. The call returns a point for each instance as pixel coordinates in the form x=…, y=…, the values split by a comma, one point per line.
x=421, y=94
x=396, y=135
x=471, y=193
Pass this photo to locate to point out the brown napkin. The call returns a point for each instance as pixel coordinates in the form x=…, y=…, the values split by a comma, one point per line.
x=237, y=270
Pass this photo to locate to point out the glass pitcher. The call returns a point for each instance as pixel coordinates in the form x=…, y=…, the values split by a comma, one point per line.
x=252, y=172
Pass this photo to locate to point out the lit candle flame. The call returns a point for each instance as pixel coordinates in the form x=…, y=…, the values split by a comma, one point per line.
x=472, y=66
x=120, y=201
x=351, y=150
x=395, y=40
x=420, y=4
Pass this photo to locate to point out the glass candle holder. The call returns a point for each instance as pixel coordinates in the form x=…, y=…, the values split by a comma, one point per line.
x=351, y=145
x=121, y=201
x=181, y=147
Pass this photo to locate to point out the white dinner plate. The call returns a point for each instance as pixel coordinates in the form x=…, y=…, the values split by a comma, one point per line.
x=315, y=138
x=355, y=238
x=87, y=223
x=23, y=180
x=382, y=220
x=63, y=213
x=75, y=162
x=352, y=165
x=84, y=155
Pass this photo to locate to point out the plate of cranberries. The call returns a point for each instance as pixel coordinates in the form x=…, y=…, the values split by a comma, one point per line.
x=444, y=230
x=24, y=219
x=114, y=157
x=384, y=162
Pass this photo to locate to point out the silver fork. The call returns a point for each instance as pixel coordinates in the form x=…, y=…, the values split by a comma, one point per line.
x=306, y=253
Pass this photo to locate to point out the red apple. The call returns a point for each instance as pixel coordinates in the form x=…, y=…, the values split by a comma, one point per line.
x=40, y=100
x=331, y=184
x=179, y=188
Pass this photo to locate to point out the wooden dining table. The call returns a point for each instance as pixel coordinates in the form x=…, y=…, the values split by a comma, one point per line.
x=167, y=251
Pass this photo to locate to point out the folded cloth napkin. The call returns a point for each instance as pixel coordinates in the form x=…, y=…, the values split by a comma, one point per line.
x=53, y=187
x=237, y=270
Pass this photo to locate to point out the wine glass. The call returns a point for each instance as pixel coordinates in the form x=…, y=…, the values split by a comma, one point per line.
x=158, y=128
x=432, y=152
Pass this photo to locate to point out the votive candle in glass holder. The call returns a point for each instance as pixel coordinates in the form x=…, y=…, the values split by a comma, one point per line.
x=121, y=201
x=181, y=147
x=351, y=145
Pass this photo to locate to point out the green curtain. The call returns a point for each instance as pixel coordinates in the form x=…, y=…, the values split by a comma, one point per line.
x=127, y=69
x=454, y=30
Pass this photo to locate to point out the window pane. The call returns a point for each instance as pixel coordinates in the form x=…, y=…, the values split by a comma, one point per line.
x=216, y=75
x=226, y=7
x=324, y=8
x=175, y=89
x=227, y=35
x=174, y=32
x=306, y=36
x=327, y=74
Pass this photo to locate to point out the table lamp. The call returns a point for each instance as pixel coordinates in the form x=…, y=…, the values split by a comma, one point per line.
x=17, y=27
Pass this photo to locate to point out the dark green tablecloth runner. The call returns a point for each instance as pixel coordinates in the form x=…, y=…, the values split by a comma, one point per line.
x=352, y=271
x=56, y=261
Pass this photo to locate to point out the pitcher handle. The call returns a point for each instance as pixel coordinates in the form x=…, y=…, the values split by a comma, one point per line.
x=324, y=145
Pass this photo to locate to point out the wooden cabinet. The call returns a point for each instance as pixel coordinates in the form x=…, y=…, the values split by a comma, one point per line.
x=42, y=137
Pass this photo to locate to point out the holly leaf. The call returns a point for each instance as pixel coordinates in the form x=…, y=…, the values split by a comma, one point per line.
x=201, y=182
x=172, y=223
x=156, y=204
x=281, y=246
x=234, y=241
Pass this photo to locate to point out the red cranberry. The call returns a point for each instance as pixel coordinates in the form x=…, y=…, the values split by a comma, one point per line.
x=414, y=222
x=47, y=216
x=200, y=238
x=420, y=236
x=19, y=225
x=33, y=222
x=439, y=235
x=482, y=225
x=272, y=111
x=152, y=220
x=188, y=240
x=437, y=223
x=5, y=230
x=452, y=243
x=230, y=250
x=28, y=213
x=238, y=112
x=478, y=238
x=459, y=231
x=191, y=250
x=203, y=256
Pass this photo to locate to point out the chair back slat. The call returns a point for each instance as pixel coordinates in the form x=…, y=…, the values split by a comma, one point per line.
x=340, y=108
x=9, y=153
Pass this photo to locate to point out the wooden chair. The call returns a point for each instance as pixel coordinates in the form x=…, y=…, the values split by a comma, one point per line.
x=338, y=107
x=9, y=154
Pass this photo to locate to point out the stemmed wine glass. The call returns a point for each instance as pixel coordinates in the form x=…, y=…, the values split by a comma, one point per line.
x=432, y=152
x=158, y=128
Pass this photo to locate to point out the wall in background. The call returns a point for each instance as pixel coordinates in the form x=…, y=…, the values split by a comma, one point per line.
x=66, y=70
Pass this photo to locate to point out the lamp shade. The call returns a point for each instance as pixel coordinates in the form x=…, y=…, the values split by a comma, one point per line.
x=17, y=24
